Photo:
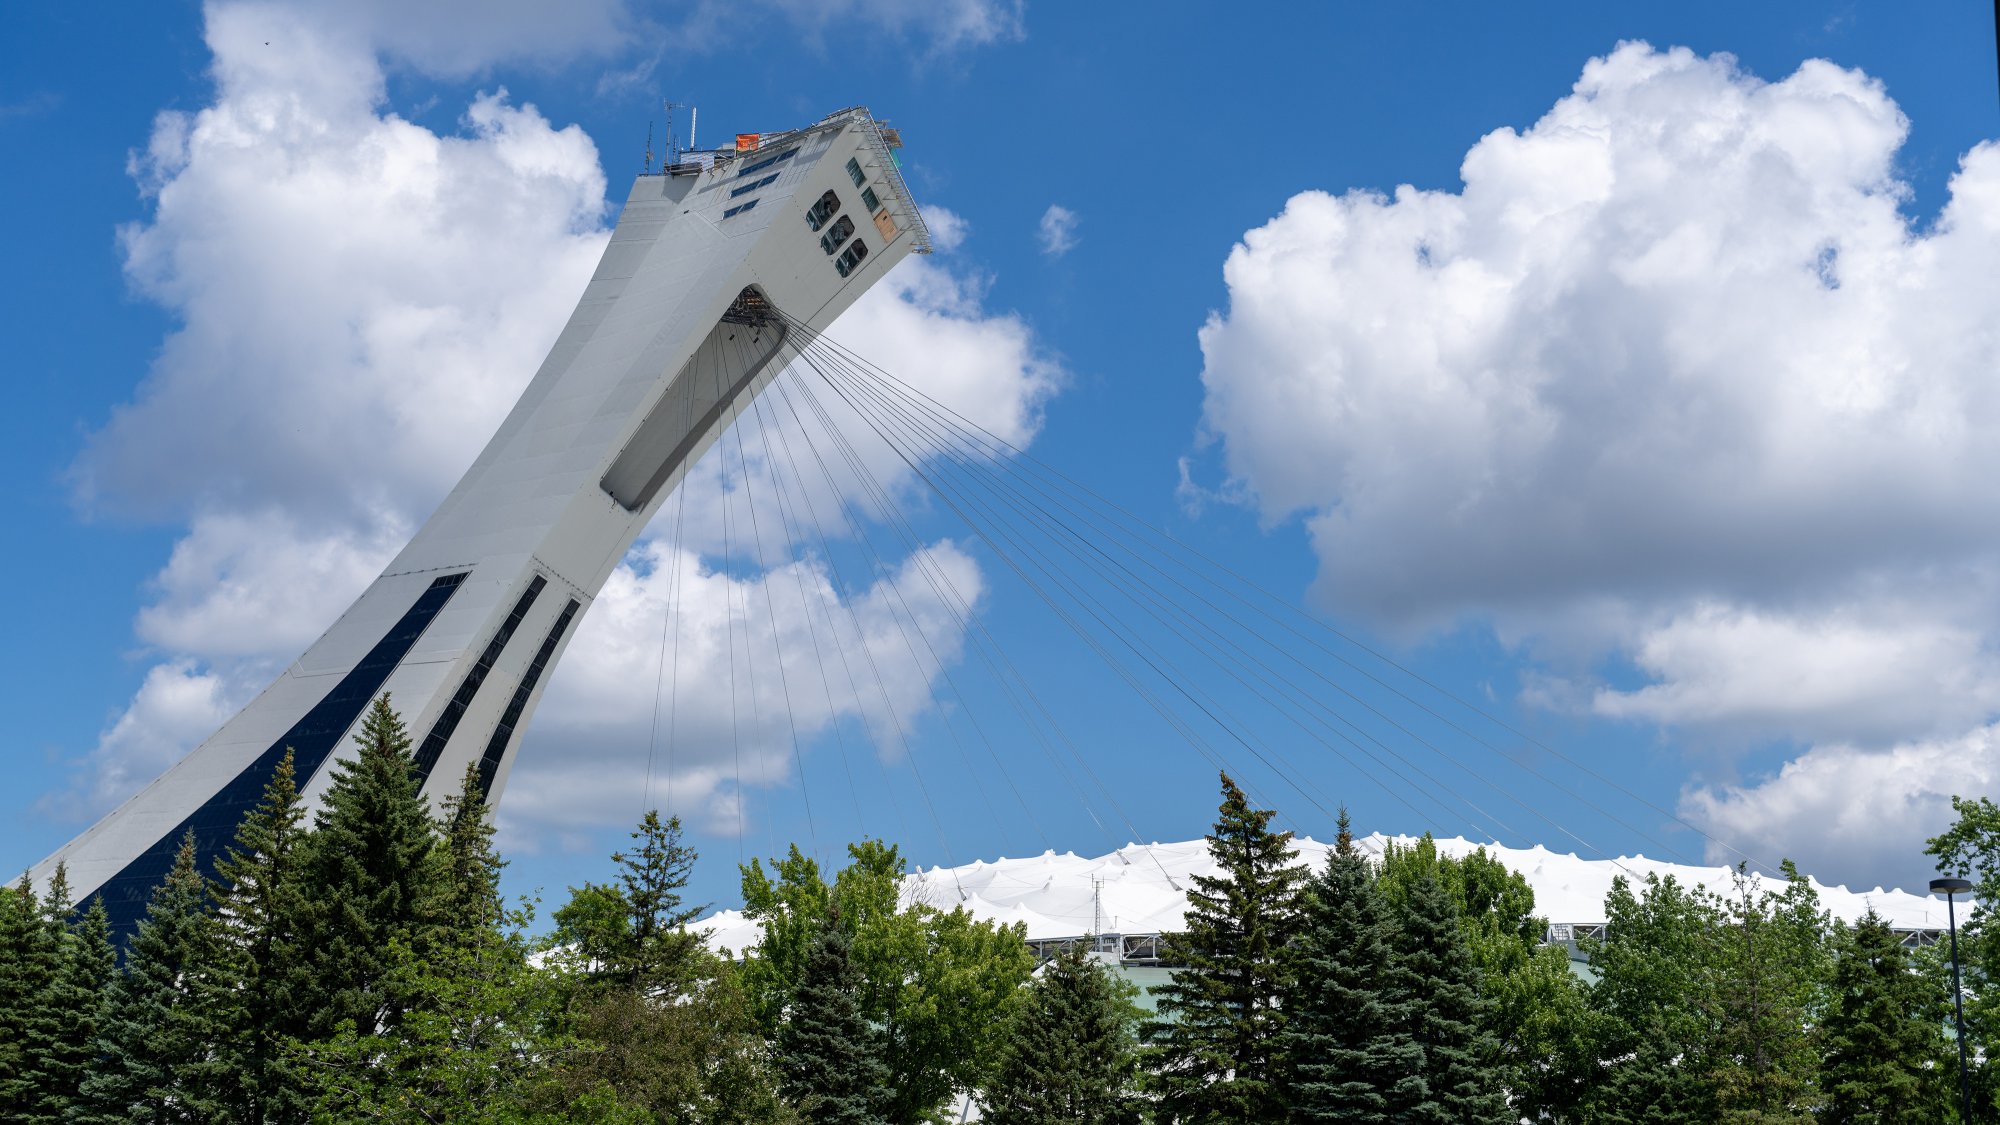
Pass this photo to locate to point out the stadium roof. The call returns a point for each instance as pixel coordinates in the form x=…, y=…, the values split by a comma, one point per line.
x=1135, y=890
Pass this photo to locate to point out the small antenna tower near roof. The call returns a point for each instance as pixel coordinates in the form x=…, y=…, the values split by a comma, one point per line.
x=673, y=149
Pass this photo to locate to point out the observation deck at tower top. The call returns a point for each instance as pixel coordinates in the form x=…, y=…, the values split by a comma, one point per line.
x=742, y=161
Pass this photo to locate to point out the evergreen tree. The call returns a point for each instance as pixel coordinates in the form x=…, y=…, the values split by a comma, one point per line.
x=1535, y=1012
x=669, y=1024
x=370, y=871
x=1883, y=1040
x=1071, y=1052
x=29, y=958
x=465, y=899
x=1349, y=1033
x=635, y=933
x=17, y=925
x=160, y=1020
x=1438, y=987
x=477, y=1042
x=1216, y=1055
x=829, y=1057
x=75, y=1003
x=1652, y=1086
x=261, y=912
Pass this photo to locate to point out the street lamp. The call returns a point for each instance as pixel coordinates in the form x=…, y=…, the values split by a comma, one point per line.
x=1950, y=888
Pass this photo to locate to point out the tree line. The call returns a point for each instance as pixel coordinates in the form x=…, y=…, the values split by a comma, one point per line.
x=363, y=966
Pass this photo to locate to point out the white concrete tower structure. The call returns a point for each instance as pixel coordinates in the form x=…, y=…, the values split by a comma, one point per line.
x=683, y=322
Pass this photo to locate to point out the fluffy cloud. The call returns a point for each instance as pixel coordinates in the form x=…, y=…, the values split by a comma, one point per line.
x=1876, y=671
x=1673, y=379
x=1861, y=814
x=1057, y=230
x=349, y=333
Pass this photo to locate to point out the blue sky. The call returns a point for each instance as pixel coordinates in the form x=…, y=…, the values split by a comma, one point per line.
x=1644, y=397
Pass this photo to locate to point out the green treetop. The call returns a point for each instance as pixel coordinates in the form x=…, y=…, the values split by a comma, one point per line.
x=1885, y=1058
x=165, y=1015
x=370, y=869
x=1216, y=1053
x=1349, y=1032
x=935, y=982
x=30, y=958
x=1438, y=986
x=829, y=1056
x=1070, y=1053
x=261, y=912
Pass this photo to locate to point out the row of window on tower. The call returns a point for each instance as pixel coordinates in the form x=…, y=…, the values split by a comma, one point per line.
x=838, y=236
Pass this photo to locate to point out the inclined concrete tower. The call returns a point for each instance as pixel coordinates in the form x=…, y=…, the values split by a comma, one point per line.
x=680, y=326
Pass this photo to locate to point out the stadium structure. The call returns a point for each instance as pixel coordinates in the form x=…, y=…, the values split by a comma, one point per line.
x=1118, y=905
x=717, y=263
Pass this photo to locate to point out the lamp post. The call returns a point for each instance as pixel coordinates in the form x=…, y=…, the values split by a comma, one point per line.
x=1950, y=889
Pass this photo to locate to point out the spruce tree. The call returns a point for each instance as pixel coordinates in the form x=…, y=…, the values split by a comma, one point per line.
x=829, y=1057
x=1652, y=1086
x=262, y=900
x=655, y=873
x=465, y=902
x=30, y=956
x=1884, y=1060
x=633, y=934
x=1216, y=1054
x=1438, y=987
x=1071, y=1052
x=160, y=1021
x=370, y=871
x=1349, y=1031
x=76, y=1001
x=17, y=994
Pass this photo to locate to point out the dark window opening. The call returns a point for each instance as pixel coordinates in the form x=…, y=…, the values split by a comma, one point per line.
x=447, y=723
x=851, y=257
x=869, y=200
x=503, y=735
x=740, y=207
x=827, y=207
x=836, y=234
x=854, y=172
x=753, y=169
x=767, y=181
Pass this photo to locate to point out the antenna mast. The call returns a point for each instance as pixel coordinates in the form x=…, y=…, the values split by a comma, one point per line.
x=673, y=150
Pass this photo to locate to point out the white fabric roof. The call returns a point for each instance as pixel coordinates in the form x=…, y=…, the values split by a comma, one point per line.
x=1052, y=893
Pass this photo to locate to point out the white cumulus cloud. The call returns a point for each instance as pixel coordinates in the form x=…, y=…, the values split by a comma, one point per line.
x=1672, y=379
x=1862, y=815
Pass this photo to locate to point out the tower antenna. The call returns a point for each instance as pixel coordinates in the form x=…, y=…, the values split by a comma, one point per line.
x=649, y=148
x=694, y=115
x=673, y=150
